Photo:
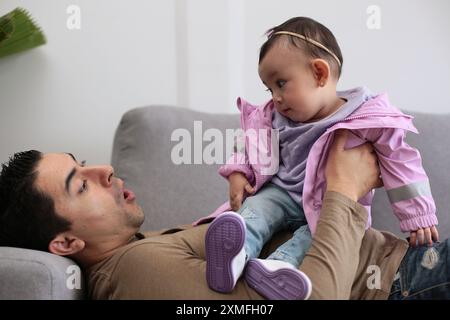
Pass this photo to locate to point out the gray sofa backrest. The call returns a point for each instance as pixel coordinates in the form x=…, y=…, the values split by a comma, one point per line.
x=172, y=194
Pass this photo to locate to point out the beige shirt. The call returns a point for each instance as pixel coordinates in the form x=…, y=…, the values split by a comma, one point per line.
x=382, y=253
x=170, y=264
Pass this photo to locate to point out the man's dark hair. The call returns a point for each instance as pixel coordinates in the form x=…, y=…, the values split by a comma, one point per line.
x=312, y=30
x=27, y=215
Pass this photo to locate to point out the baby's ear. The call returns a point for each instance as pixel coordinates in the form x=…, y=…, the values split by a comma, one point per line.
x=321, y=71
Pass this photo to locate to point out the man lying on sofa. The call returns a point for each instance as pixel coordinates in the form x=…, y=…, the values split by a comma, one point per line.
x=51, y=202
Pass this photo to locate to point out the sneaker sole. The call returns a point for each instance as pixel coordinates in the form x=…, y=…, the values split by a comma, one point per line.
x=282, y=284
x=223, y=241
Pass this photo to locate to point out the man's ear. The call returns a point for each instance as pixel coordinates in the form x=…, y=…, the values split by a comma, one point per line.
x=321, y=71
x=65, y=245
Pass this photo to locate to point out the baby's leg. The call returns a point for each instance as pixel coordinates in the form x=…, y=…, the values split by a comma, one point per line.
x=266, y=213
x=234, y=238
x=277, y=277
x=294, y=250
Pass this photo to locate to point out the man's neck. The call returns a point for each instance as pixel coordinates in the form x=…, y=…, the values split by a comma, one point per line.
x=92, y=255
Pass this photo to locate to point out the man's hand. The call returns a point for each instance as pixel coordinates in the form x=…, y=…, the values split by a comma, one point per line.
x=239, y=186
x=423, y=236
x=353, y=172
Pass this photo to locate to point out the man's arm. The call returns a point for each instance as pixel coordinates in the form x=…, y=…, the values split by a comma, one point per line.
x=332, y=261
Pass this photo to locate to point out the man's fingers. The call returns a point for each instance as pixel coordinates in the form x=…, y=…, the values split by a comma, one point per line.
x=427, y=233
x=368, y=146
x=340, y=138
x=413, y=239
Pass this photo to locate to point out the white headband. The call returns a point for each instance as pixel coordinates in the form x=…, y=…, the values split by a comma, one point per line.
x=314, y=42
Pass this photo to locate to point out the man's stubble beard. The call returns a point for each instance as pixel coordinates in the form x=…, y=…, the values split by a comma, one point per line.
x=135, y=220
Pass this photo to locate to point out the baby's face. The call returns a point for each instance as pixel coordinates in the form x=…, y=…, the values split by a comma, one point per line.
x=288, y=75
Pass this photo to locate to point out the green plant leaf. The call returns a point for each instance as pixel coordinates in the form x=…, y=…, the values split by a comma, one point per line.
x=18, y=32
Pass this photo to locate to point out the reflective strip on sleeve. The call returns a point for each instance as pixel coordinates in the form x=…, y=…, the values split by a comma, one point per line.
x=409, y=191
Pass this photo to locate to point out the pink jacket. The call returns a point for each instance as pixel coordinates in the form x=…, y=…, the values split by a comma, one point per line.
x=376, y=121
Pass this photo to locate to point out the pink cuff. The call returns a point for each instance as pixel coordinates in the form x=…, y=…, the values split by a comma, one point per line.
x=237, y=163
x=419, y=222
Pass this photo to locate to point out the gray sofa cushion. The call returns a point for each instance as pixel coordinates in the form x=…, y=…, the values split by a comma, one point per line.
x=35, y=275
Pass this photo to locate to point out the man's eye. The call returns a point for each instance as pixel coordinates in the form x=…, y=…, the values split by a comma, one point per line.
x=83, y=187
x=280, y=83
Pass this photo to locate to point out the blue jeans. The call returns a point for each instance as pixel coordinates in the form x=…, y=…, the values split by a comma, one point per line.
x=424, y=274
x=271, y=210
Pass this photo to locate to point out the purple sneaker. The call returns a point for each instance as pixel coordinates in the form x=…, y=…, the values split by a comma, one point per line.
x=277, y=280
x=225, y=252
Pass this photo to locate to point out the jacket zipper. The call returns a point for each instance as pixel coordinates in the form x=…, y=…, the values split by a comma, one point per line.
x=377, y=115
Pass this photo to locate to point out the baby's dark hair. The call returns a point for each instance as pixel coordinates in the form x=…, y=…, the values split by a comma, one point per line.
x=310, y=29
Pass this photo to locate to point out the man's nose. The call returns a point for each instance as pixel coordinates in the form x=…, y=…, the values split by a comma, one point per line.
x=108, y=174
x=104, y=174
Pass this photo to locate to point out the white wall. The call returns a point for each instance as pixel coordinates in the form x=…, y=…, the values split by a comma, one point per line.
x=408, y=57
x=69, y=95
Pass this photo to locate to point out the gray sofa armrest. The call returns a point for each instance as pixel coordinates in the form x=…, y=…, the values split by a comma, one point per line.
x=36, y=275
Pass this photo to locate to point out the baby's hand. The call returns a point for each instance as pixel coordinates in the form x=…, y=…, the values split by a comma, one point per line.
x=239, y=186
x=423, y=236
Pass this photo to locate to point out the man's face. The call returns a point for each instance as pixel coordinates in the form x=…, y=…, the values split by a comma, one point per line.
x=90, y=197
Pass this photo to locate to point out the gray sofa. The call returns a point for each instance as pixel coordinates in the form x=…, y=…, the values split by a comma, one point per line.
x=176, y=194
